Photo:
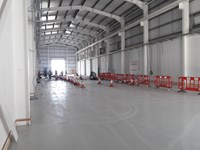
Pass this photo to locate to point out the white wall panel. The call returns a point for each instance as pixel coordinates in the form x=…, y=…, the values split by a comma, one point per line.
x=104, y=64
x=171, y=58
x=79, y=67
x=14, y=89
x=67, y=53
x=193, y=56
x=83, y=67
x=133, y=55
x=164, y=60
x=88, y=67
x=116, y=63
x=95, y=65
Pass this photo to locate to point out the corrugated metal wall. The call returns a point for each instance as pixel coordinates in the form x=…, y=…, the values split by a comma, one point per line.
x=66, y=53
x=165, y=56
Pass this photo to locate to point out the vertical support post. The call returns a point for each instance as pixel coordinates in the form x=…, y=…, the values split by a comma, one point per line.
x=48, y=66
x=122, y=34
x=67, y=62
x=76, y=63
x=108, y=51
x=145, y=25
x=97, y=54
x=184, y=6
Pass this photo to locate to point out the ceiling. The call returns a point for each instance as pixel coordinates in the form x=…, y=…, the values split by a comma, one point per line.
x=76, y=27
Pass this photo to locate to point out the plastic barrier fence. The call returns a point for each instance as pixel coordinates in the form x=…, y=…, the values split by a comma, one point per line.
x=143, y=79
x=126, y=78
x=105, y=76
x=119, y=77
x=189, y=83
x=112, y=77
x=163, y=81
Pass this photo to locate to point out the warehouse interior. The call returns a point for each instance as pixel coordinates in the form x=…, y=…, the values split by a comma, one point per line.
x=145, y=91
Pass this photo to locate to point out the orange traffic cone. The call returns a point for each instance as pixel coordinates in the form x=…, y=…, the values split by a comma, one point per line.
x=82, y=84
x=111, y=83
x=99, y=81
x=78, y=83
x=131, y=82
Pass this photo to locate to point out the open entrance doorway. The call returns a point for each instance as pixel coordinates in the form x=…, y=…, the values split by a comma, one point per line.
x=59, y=65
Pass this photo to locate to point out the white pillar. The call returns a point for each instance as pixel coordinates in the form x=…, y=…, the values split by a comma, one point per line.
x=122, y=34
x=67, y=60
x=32, y=50
x=21, y=59
x=76, y=62
x=145, y=25
x=48, y=65
x=108, y=51
x=184, y=6
x=96, y=55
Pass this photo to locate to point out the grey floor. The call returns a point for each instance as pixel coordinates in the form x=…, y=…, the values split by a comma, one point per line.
x=101, y=118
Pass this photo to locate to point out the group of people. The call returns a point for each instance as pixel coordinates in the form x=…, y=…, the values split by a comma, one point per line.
x=48, y=74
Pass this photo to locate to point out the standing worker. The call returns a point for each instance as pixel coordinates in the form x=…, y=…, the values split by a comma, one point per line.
x=49, y=73
x=56, y=74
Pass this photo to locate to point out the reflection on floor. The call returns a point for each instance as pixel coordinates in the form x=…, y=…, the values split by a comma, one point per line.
x=101, y=118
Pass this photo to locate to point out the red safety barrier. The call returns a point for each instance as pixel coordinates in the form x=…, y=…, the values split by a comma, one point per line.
x=119, y=77
x=113, y=77
x=143, y=79
x=163, y=81
x=101, y=76
x=189, y=83
x=131, y=80
x=106, y=76
x=125, y=78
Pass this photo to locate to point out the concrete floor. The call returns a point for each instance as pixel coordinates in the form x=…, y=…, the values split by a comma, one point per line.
x=101, y=118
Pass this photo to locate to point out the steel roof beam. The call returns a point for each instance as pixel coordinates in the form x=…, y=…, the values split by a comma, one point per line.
x=68, y=39
x=148, y=17
x=82, y=8
x=75, y=21
x=65, y=37
x=70, y=35
x=139, y=3
x=59, y=44
x=65, y=40
x=84, y=31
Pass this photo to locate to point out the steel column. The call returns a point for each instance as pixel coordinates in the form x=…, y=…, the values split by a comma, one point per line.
x=145, y=25
x=184, y=6
x=122, y=34
x=107, y=52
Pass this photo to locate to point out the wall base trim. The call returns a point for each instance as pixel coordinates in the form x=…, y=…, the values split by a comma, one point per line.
x=8, y=141
x=9, y=138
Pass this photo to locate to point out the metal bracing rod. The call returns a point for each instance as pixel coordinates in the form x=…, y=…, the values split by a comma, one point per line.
x=75, y=21
x=77, y=34
x=60, y=44
x=148, y=17
x=65, y=39
x=72, y=34
x=82, y=8
x=64, y=34
x=66, y=44
x=84, y=31
x=139, y=3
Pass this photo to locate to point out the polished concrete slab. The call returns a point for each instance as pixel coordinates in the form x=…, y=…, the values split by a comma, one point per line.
x=102, y=118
